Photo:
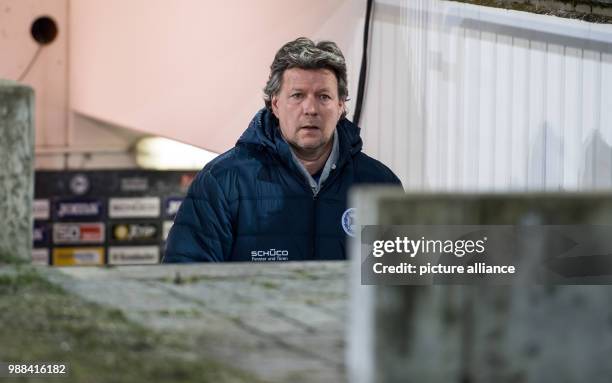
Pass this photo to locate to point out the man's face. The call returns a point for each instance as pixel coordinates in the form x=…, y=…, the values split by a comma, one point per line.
x=308, y=109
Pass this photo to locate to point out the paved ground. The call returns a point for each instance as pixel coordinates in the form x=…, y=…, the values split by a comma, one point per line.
x=282, y=322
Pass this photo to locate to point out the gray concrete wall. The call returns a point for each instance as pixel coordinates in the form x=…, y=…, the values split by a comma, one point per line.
x=599, y=11
x=520, y=332
x=549, y=3
x=16, y=168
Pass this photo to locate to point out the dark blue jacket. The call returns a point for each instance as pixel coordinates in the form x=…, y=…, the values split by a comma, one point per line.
x=253, y=204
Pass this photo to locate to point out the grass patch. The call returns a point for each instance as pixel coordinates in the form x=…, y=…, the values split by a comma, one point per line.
x=303, y=274
x=40, y=322
x=6, y=259
x=181, y=313
x=180, y=279
x=270, y=285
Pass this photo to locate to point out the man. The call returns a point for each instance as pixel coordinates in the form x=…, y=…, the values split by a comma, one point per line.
x=281, y=193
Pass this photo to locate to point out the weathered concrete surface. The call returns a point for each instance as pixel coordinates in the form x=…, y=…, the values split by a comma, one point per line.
x=282, y=322
x=478, y=334
x=16, y=168
x=39, y=321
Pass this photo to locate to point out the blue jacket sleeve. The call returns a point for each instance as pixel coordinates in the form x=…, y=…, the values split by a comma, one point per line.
x=202, y=230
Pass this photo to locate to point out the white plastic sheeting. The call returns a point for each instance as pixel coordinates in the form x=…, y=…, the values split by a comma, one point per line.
x=463, y=98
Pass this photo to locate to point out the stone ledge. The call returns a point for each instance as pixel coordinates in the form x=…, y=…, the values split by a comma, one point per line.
x=277, y=321
x=596, y=11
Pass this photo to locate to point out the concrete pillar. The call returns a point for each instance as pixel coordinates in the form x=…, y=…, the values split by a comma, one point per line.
x=16, y=168
x=523, y=332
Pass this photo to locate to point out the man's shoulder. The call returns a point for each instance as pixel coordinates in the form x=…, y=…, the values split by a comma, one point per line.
x=238, y=158
x=370, y=170
x=226, y=168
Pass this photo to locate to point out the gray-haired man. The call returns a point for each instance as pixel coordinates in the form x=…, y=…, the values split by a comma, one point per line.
x=280, y=193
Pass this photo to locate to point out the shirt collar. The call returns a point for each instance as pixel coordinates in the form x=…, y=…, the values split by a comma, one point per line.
x=330, y=165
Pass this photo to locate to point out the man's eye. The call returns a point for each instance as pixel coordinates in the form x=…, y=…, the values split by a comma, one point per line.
x=296, y=95
x=325, y=97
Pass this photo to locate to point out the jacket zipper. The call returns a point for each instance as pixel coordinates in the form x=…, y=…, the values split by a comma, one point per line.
x=314, y=226
x=315, y=195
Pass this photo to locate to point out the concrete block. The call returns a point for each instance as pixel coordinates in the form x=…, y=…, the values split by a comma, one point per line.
x=16, y=168
x=282, y=321
x=473, y=333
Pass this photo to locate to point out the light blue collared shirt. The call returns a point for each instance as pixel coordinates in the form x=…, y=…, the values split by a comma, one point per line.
x=330, y=165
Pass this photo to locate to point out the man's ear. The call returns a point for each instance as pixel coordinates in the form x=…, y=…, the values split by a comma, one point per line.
x=274, y=103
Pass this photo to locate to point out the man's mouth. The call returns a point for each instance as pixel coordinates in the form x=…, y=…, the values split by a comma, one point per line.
x=310, y=127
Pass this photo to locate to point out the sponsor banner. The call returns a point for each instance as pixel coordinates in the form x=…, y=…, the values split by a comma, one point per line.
x=134, y=184
x=166, y=229
x=172, y=206
x=133, y=255
x=78, y=256
x=79, y=209
x=134, y=231
x=79, y=184
x=40, y=257
x=145, y=207
x=78, y=232
x=40, y=209
x=40, y=234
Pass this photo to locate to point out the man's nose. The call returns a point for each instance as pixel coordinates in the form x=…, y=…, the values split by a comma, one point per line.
x=310, y=105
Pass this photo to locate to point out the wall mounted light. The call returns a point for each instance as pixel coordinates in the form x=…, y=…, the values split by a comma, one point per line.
x=165, y=154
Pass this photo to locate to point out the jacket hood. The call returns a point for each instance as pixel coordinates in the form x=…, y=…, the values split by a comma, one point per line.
x=264, y=131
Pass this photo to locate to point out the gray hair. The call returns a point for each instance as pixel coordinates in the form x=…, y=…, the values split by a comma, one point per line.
x=303, y=53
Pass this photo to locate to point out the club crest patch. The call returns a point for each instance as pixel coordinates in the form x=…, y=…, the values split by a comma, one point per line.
x=348, y=221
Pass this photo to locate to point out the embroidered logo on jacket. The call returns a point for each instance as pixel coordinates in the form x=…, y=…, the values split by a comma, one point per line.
x=269, y=255
x=348, y=221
